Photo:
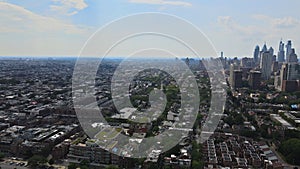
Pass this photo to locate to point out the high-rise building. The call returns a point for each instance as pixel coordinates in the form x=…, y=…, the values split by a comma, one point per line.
x=187, y=61
x=264, y=49
x=271, y=50
x=288, y=50
x=266, y=60
x=281, y=52
x=292, y=58
x=235, y=79
x=245, y=71
x=247, y=62
x=275, y=66
x=293, y=71
x=290, y=85
x=235, y=61
x=256, y=54
x=223, y=60
x=277, y=82
x=255, y=80
x=201, y=65
x=231, y=70
x=289, y=77
x=274, y=58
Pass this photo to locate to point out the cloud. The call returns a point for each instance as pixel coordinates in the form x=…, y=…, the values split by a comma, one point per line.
x=26, y=33
x=162, y=2
x=285, y=22
x=226, y=20
x=68, y=7
x=18, y=19
x=261, y=17
x=261, y=25
x=233, y=26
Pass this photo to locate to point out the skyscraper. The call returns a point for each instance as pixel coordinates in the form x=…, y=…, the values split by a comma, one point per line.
x=231, y=70
x=237, y=79
x=266, y=60
x=264, y=49
x=254, y=79
x=275, y=66
x=187, y=61
x=271, y=50
x=289, y=77
x=233, y=75
x=281, y=52
x=247, y=62
x=288, y=50
x=292, y=58
x=293, y=71
x=256, y=54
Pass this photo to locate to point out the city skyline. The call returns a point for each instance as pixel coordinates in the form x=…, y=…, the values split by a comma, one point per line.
x=60, y=28
x=149, y=84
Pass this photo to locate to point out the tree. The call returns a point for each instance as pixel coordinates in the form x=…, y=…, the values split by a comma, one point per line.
x=264, y=131
x=196, y=165
x=84, y=167
x=167, y=167
x=155, y=129
x=112, y=167
x=239, y=120
x=197, y=155
x=292, y=134
x=72, y=166
x=1, y=156
x=36, y=161
x=84, y=164
x=51, y=161
x=291, y=150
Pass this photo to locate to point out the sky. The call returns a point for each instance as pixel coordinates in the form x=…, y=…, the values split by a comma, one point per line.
x=61, y=27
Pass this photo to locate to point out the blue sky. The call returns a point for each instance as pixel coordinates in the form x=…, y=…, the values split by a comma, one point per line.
x=61, y=27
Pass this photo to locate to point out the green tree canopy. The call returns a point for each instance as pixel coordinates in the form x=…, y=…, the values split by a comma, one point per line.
x=112, y=167
x=291, y=151
x=36, y=161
